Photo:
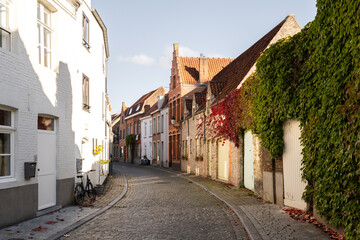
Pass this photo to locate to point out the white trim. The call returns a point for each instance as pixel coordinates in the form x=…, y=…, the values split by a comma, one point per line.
x=136, y=114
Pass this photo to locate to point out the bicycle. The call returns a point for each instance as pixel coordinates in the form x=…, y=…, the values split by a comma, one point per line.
x=80, y=191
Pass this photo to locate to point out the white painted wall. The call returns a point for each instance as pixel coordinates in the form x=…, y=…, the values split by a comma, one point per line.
x=146, y=137
x=165, y=136
x=29, y=88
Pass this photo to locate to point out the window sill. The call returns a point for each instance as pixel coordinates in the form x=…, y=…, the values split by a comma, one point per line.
x=7, y=180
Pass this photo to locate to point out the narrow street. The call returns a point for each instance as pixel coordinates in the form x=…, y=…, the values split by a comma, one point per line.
x=159, y=205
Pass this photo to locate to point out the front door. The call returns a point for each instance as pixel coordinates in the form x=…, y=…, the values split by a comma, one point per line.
x=248, y=161
x=46, y=163
x=224, y=159
x=209, y=157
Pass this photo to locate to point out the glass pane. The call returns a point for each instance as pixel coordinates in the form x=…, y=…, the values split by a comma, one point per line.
x=5, y=118
x=4, y=40
x=47, y=17
x=5, y=143
x=4, y=166
x=45, y=123
x=3, y=16
x=47, y=38
x=38, y=11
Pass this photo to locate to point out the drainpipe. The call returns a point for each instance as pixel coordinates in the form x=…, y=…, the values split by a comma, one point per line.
x=274, y=179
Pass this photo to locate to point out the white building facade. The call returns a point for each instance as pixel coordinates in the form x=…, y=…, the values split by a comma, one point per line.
x=54, y=109
x=146, y=137
x=164, y=136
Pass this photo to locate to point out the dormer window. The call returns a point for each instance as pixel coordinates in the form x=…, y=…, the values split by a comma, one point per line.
x=138, y=107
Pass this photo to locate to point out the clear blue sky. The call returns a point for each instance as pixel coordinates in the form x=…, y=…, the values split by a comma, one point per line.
x=141, y=34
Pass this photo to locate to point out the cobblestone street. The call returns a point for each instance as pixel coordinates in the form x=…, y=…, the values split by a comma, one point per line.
x=160, y=205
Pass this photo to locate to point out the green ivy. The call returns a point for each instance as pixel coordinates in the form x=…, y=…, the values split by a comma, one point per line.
x=314, y=77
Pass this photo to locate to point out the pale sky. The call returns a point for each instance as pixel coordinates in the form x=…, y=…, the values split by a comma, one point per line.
x=141, y=34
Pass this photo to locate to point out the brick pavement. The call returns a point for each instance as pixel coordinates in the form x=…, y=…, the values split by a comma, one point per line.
x=47, y=226
x=159, y=205
x=268, y=220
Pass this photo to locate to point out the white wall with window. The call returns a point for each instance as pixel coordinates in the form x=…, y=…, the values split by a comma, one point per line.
x=164, y=136
x=146, y=137
x=43, y=64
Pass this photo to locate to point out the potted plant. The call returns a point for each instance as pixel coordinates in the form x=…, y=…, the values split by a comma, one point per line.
x=99, y=188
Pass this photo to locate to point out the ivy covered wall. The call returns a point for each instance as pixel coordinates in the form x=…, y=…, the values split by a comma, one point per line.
x=314, y=77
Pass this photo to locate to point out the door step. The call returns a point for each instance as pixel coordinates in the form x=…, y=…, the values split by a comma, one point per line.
x=48, y=210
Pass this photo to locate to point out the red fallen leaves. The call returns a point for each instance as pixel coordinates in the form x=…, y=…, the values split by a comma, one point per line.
x=16, y=239
x=60, y=219
x=39, y=229
x=301, y=215
x=50, y=222
x=190, y=182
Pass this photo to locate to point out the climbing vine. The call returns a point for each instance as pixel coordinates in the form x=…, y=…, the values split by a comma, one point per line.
x=312, y=77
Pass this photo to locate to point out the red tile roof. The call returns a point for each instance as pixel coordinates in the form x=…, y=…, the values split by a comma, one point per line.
x=151, y=110
x=189, y=68
x=234, y=73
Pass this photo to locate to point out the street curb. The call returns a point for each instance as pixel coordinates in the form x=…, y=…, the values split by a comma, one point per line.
x=93, y=215
x=252, y=231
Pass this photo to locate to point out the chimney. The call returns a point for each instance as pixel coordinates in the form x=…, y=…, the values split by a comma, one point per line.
x=203, y=69
x=123, y=106
x=176, y=50
x=147, y=108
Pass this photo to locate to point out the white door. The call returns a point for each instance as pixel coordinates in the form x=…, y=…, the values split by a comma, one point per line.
x=223, y=160
x=292, y=157
x=248, y=161
x=46, y=165
x=209, y=157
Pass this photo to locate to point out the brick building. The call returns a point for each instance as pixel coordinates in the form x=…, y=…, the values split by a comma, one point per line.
x=133, y=123
x=119, y=129
x=250, y=164
x=187, y=73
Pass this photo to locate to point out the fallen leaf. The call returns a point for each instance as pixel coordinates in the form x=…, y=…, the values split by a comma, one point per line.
x=50, y=222
x=39, y=229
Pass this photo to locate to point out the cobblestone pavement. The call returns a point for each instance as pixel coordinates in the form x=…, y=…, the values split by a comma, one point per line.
x=160, y=205
x=268, y=219
x=46, y=226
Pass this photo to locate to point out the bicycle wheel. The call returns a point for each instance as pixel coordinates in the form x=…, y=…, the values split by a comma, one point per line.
x=79, y=194
x=91, y=192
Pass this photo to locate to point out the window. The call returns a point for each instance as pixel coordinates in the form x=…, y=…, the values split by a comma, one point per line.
x=85, y=26
x=135, y=128
x=6, y=143
x=124, y=134
x=158, y=124
x=44, y=35
x=145, y=129
x=4, y=27
x=162, y=123
x=120, y=134
x=121, y=152
x=138, y=107
x=154, y=125
x=139, y=127
x=46, y=123
x=130, y=128
x=85, y=89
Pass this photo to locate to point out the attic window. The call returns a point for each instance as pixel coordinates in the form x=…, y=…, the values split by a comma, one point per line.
x=138, y=107
x=130, y=111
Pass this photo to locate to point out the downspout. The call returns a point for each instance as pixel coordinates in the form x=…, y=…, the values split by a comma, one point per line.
x=204, y=149
x=274, y=178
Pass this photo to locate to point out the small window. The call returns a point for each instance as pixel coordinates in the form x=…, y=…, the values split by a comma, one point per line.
x=138, y=107
x=44, y=35
x=85, y=90
x=5, y=34
x=46, y=123
x=6, y=143
x=85, y=26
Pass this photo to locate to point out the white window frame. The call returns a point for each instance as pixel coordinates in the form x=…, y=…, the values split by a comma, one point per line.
x=42, y=27
x=9, y=130
x=86, y=34
x=6, y=28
